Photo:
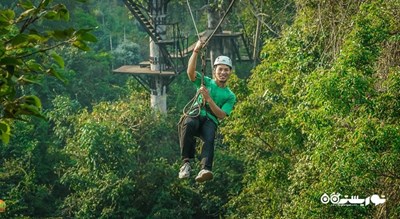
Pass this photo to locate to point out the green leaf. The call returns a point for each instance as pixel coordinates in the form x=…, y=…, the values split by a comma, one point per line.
x=19, y=39
x=51, y=15
x=34, y=66
x=27, y=109
x=4, y=30
x=58, y=12
x=58, y=59
x=82, y=31
x=35, y=38
x=6, y=17
x=56, y=74
x=10, y=61
x=27, y=4
x=33, y=100
x=62, y=34
x=5, y=131
x=46, y=3
x=83, y=35
x=25, y=14
x=64, y=14
x=2, y=49
x=81, y=45
x=29, y=81
x=28, y=105
x=88, y=37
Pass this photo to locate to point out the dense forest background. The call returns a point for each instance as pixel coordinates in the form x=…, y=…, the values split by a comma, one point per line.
x=318, y=115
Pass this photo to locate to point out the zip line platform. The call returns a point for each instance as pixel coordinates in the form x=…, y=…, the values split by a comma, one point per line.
x=141, y=70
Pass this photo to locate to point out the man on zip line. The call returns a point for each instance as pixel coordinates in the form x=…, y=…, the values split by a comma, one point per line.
x=217, y=102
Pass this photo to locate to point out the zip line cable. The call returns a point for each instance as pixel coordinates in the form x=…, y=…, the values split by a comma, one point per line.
x=220, y=22
x=215, y=29
x=191, y=14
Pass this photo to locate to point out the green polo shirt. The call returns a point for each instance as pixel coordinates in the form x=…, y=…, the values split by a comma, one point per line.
x=223, y=97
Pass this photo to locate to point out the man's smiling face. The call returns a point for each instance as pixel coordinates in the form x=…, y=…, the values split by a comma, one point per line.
x=222, y=73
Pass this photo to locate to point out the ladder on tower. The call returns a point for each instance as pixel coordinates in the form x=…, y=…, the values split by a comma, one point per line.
x=175, y=59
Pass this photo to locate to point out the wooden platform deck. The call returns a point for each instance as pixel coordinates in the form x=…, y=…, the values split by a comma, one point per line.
x=137, y=69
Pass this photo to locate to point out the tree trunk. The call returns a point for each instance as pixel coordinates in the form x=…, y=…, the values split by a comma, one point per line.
x=256, y=51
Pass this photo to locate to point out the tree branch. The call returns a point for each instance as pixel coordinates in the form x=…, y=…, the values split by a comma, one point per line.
x=43, y=50
x=32, y=19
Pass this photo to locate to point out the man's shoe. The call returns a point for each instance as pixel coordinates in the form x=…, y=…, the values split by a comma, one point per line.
x=184, y=172
x=204, y=175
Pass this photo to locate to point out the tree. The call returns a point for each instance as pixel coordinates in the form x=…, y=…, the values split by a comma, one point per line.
x=27, y=54
x=314, y=122
x=126, y=53
x=120, y=154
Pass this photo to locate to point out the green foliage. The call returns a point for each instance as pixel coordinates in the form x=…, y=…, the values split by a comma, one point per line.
x=25, y=58
x=127, y=53
x=115, y=151
x=28, y=182
x=318, y=115
x=316, y=110
x=273, y=15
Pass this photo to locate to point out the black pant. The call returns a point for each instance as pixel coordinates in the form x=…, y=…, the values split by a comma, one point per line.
x=204, y=128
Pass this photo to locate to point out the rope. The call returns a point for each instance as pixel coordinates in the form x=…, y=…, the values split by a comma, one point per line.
x=191, y=14
x=192, y=105
x=192, y=108
x=203, y=65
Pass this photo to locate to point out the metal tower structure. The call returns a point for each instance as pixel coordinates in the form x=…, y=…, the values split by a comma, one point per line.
x=169, y=49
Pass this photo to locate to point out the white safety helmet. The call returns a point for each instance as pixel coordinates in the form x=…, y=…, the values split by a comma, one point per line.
x=225, y=60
